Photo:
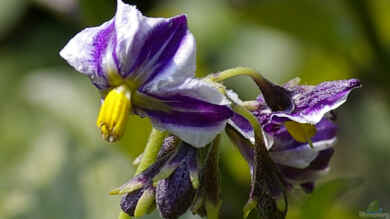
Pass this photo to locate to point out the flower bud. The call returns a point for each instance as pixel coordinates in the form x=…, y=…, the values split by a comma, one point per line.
x=276, y=97
x=175, y=194
x=129, y=201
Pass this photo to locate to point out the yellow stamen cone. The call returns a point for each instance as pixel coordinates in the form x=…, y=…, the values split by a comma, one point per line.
x=114, y=113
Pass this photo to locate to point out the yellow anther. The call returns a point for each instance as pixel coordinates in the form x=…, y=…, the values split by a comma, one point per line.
x=114, y=112
x=301, y=132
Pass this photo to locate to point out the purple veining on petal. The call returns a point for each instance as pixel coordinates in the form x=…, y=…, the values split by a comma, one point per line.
x=313, y=98
x=139, y=48
x=192, y=119
x=159, y=48
x=114, y=55
x=313, y=102
x=187, y=103
x=100, y=86
x=188, y=111
x=242, y=123
x=171, y=48
x=101, y=43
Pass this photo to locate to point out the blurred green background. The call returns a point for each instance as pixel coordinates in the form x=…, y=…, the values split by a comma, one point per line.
x=53, y=163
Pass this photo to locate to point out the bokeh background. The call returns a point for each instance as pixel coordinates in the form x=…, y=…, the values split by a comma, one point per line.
x=53, y=163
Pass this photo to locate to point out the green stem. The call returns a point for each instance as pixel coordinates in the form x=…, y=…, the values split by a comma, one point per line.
x=264, y=166
x=212, y=210
x=233, y=72
x=152, y=148
x=252, y=120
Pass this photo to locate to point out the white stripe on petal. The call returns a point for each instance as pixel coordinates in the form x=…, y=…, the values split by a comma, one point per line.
x=301, y=156
x=195, y=136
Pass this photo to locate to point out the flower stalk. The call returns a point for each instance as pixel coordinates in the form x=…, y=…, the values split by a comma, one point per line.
x=265, y=175
x=276, y=97
x=152, y=148
x=233, y=72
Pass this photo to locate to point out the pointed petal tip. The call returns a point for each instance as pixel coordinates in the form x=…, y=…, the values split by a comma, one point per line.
x=181, y=19
x=127, y=188
x=355, y=83
x=114, y=191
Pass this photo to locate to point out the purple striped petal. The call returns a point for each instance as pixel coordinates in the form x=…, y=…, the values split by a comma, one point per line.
x=243, y=126
x=285, y=150
x=134, y=47
x=313, y=102
x=195, y=121
x=297, y=162
x=288, y=152
x=89, y=49
x=166, y=47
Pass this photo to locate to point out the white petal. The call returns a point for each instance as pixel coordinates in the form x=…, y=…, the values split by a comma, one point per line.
x=78, y=52
x=301, y=157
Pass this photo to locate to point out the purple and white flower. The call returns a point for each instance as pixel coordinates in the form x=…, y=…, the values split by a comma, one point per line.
x=298, y=162
x=151, y=62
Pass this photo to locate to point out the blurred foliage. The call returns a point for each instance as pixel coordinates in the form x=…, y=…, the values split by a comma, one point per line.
x=53, y=164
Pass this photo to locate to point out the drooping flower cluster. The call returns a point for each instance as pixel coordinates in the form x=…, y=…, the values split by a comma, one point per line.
x=145, y=66
x=180, y=178
x=300, y=160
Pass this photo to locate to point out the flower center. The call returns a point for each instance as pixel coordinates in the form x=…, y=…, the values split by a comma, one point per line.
x=114, y=113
